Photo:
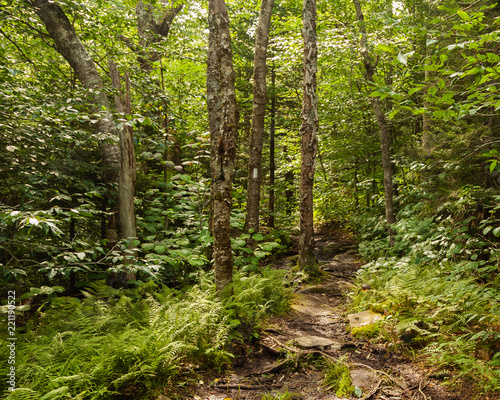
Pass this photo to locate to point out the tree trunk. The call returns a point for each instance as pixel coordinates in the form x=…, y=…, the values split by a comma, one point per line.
x=272, y=164
x=71, y=48
x=382, y=125
x=151, y=30
x=258, y=116
x=223, y=120
x=309, y=140
x=427, y=123
x=126, y=186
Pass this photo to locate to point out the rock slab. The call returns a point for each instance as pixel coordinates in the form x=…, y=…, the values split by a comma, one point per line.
x=319, y=342
x=364, y=379
x=310, y=305
x=364, y=318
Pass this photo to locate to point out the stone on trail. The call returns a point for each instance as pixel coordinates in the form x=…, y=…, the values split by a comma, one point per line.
x=319, y=342
x=310, y=305
x=364, y=379
x=364, y=318
x=335, y=289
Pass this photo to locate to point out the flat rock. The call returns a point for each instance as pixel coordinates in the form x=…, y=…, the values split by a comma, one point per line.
x=348, y=258
x=334, y=289
x=364, y=318
x=319, y=342
x=364, y=379
x=310, y=305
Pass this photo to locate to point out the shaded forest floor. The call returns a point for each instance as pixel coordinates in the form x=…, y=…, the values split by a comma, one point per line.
x=288, y=361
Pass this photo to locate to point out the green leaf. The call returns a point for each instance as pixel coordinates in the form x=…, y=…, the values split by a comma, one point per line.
x=159, y=249
x=463, y=15
x=413, y=90
x=493, y=165
x=386, y=48
x=258, y=237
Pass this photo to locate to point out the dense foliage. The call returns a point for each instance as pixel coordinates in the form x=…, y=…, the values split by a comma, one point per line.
x=437, y=78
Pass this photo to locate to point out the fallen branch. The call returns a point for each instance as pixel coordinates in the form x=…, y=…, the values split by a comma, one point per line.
x=247, y=387
x=420, y=388
x=373, y=391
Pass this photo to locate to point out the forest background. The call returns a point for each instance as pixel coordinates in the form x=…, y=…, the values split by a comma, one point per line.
x=431, y=68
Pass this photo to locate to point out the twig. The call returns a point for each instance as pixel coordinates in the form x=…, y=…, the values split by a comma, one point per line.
x=373, y=391
x=420, y=389
x=246, y=387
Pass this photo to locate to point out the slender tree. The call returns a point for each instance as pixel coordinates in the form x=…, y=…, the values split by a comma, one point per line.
x=382, y=123
x=308, y=133
x=258, y=116
x=223, y=121
x=272, y=161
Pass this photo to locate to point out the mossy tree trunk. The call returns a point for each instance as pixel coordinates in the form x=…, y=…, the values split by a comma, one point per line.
x=309, y=140
x=223, y=121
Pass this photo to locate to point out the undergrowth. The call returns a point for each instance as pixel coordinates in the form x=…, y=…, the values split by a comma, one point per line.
x=135, y=343
x=338, y=378
x=438, y=286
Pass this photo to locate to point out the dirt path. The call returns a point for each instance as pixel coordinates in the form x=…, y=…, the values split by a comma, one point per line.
x=288, y=362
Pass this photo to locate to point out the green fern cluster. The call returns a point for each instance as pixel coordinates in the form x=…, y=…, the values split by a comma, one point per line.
x=102, y=347
x=256, y=295
x=435, y=309
x=133, y=343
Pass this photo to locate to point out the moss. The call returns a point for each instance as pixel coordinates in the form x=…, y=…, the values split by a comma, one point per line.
x=367, y=331
x=338, y=378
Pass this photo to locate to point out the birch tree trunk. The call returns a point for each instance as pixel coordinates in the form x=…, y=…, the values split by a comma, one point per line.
x=309, y=140
x=223, y=121
x=258, y=116
x=383, y=126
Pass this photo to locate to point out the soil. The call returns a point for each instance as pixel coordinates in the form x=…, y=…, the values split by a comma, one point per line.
x=289, y=357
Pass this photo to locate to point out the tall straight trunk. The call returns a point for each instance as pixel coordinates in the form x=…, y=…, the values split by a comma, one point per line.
x=427, y=124
x=223, y=121
x=272, y=161
x=382, y=125
x=126, y=186
x=309, y=140
x=258, y=116
x=71, y=48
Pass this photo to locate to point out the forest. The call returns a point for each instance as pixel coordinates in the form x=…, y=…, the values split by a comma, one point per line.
x=174, y=173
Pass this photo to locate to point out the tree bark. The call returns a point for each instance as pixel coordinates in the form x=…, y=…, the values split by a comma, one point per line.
x=223, y=121
x=151, y=30
x=126, y=186
x=309, y=140
x=258, y=116
x=272, y=161
x=382, y=125
x=71, y=48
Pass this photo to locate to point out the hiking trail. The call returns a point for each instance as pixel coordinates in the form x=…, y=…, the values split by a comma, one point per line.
x=281, y=362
